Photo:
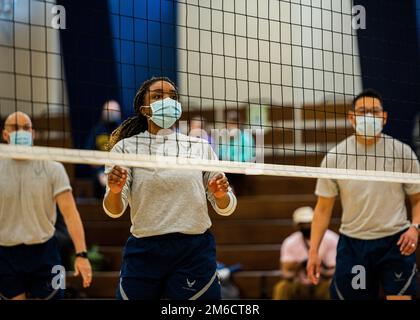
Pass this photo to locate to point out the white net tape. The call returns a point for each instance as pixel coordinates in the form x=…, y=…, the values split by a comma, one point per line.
x=77, y=156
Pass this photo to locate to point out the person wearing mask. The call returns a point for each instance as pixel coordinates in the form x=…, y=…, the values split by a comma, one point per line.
x=377, y=240
x=171, y=253
x=295, y=284
x=98, y=139
x=237, y=144
x=30, y=190
x=198, y=129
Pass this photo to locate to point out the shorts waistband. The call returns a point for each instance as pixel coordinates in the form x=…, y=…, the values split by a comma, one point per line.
x=397, y=234
x=172, y=236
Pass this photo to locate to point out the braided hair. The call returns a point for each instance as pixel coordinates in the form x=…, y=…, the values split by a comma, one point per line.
x=138, y=123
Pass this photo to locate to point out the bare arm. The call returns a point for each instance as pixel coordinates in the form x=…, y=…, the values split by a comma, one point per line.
x=320, y=222
x=415, y=205
x=223, y=202
x=113, y=203
x=67, y=205
x=409, y=239
x=72, y=219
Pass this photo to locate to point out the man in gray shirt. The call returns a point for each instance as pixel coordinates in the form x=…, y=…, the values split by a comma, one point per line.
x=377, y=241
x=30, y=190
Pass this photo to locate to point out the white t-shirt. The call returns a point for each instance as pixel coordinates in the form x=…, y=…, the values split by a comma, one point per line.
x=27, y=200
x=293, y=249
x=371, y=210
x=168, y=200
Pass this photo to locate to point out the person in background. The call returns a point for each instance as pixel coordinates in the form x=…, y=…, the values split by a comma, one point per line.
x=99, y=138
x=30, y=190
x=229, y=289
x=198, y=129
x=240, y=147
x=295, y=284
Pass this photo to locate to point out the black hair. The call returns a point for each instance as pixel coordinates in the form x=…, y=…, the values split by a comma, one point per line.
x=138, y=123
x=368, y=93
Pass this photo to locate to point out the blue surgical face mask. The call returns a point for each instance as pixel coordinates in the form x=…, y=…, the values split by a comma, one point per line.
x=21, y=138
x=165, y=112
x=368, y=125
x=110, y=116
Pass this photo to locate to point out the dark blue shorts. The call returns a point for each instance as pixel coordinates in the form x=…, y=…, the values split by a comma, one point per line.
x=363, y=266
x=28, y=269
x=172, y=266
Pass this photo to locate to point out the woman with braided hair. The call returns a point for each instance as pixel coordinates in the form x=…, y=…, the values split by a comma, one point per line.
x=170, y=253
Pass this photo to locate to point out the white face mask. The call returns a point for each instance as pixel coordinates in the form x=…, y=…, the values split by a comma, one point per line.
x=369, y=126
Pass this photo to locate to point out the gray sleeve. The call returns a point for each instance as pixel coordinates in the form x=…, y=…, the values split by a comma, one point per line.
x=411, y=165
x=125, y=194
x=60, y=179
x=207, y=176
x=326, y=187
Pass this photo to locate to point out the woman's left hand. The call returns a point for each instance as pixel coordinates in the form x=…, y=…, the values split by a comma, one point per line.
x=219, y=186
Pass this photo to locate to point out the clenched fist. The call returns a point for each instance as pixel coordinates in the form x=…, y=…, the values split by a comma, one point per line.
x=219, y=186
x=116, y=179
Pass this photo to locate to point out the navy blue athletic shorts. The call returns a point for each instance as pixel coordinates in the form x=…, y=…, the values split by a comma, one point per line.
x=28, y=269
x=363, y=266
x=172, y=266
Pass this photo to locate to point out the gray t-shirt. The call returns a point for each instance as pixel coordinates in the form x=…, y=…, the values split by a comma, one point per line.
x=168, y=200
x=27, y=200
x=371, y=210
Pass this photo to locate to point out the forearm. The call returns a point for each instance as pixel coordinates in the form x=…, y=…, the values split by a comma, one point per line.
x=320, y=225
x=75, y=228
x=225, y=205
x=113, y=204
x=223, y=202
x=320, y=222
x=415, y=212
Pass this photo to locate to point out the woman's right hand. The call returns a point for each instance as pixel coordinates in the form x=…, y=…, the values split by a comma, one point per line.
x=116, y=179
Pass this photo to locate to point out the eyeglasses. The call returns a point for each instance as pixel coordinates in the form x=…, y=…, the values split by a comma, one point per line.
x=374, y=111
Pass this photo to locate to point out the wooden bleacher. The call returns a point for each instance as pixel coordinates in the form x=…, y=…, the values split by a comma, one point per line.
x=54, y=131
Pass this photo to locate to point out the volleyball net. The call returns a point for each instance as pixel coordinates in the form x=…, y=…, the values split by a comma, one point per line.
x=268, y=84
